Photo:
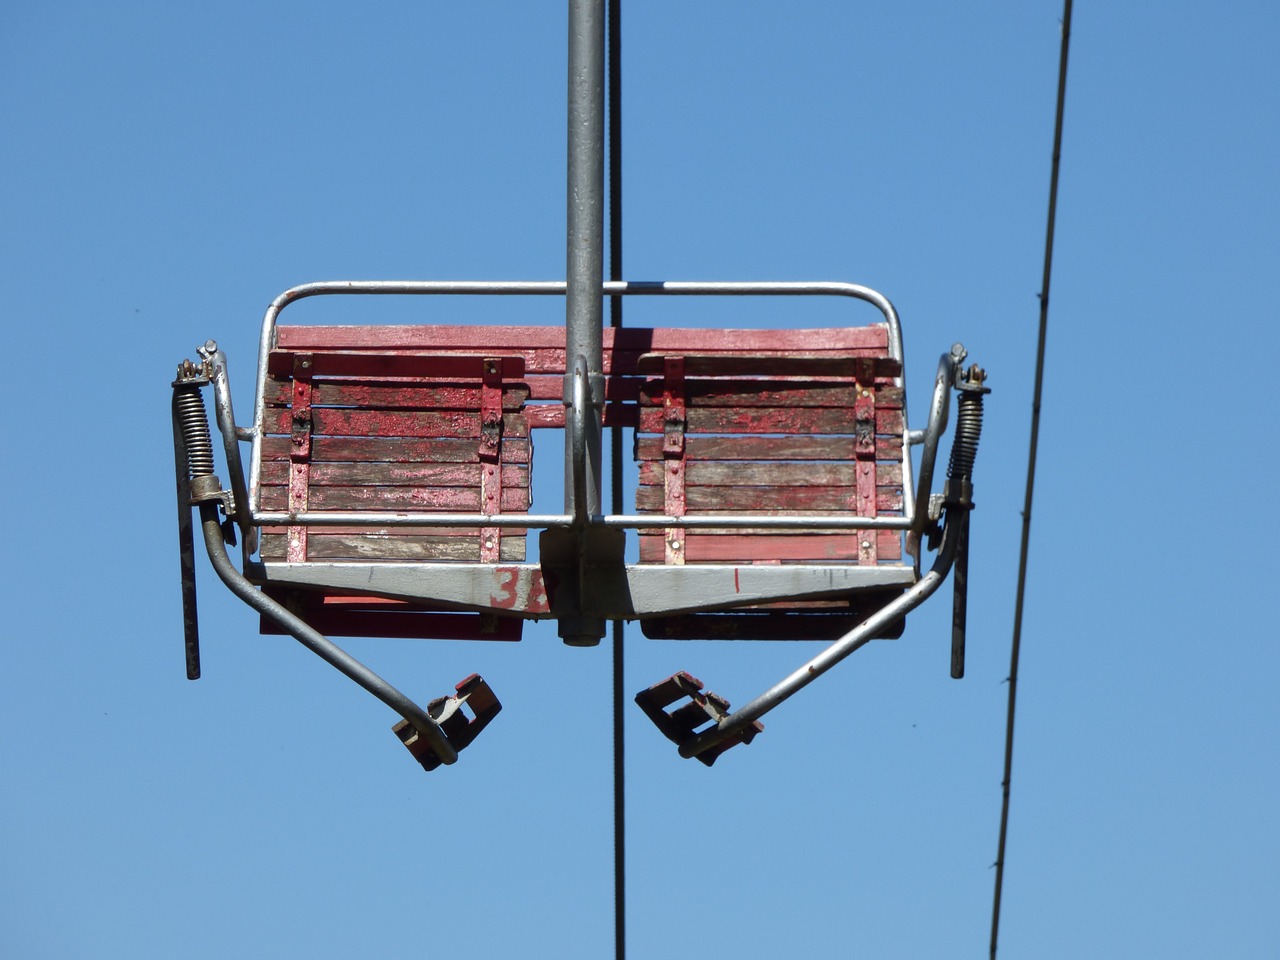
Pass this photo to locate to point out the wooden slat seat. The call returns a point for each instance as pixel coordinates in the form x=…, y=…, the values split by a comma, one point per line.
x=352, y=425
x=393, y=433
x=811, y=433
x=440, y=418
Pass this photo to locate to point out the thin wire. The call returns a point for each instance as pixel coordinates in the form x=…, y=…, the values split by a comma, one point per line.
x=614, y=21
x=1016, y=649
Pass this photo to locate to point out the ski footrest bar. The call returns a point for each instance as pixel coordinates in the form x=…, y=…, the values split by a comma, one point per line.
x=447, y=712
x=683, y=723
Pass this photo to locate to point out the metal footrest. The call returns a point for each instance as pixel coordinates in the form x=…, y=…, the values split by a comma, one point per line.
x=458, y=729
x=682, y=724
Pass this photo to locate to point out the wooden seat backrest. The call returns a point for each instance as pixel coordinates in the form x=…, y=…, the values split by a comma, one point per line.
x=439, y=418
x=806, y=433
x=745, y=421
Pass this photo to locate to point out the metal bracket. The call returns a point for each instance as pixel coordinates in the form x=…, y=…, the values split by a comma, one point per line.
x=447, y=712
x=681, y=725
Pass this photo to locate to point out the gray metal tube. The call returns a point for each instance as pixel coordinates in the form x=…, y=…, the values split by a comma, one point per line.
x=226, y=419
x=851, y=641
x=584, y=310
x=315, y=641
x=939, y=408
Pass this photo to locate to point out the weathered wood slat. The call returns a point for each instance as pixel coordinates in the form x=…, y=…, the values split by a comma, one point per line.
x=396, y=450
x=763, y=363
x=506, y=339
x=737, y=548
x=711, y=473
x=783, y=420
x=398, y=423
x=356, y=363
x=458, y=499
x=326, y=546
x=550, y=360
x=759, y=531
x=394, y=474
x=420, y=394
x=370, y=394
x=889, y=502
x=761, y=625
x=464, y=363
x=768, y=393
x=768, y=448
x=385, y=531
x=777, y=501
x=374, y=617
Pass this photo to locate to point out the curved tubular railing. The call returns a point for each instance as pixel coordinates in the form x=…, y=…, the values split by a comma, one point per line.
x=939, y=410
x=316, y=642
x=851, y=641
x=226, y=419
x=558, y=288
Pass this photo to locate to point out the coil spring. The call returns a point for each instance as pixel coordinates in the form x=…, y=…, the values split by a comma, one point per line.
x=968, y=431
x=194, y=423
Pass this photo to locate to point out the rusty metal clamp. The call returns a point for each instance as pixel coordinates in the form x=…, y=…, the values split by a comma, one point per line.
x=447, y=712
x=681, y=725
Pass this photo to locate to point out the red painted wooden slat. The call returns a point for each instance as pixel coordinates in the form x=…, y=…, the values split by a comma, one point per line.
x=458, y=499
x=760, y=625
x=387, y=531
x=764, y=500
x=774, y=364
x=749, y=448
x=393, y=474
x=395, y=450
x=374, y=394
x=325, y=546
x=491, y=472
x=783, y=420
x=405, y=622
x=402, y=364
x=761, y=393
x=298, y=424
x=772, y=547
x=888, y=474
x=640, y=339
x=399, y=423
x=675, y=423
x=702, y=473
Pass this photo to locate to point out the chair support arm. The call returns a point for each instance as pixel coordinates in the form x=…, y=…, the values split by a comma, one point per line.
x=316, y=642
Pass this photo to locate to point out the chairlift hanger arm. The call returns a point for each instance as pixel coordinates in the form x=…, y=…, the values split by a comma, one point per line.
x=432, y=743
x=738, y=721
x=317, y=643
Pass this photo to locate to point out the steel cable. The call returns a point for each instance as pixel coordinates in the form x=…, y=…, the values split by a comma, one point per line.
x=1016, y=646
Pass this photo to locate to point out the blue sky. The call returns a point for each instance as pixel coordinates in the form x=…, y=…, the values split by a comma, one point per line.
x=168, y=168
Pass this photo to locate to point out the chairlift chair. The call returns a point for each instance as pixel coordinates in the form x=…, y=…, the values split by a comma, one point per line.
x=388, y=490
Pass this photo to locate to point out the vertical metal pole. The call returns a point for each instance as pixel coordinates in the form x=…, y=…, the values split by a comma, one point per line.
x=614, y=21
x=584, y=309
